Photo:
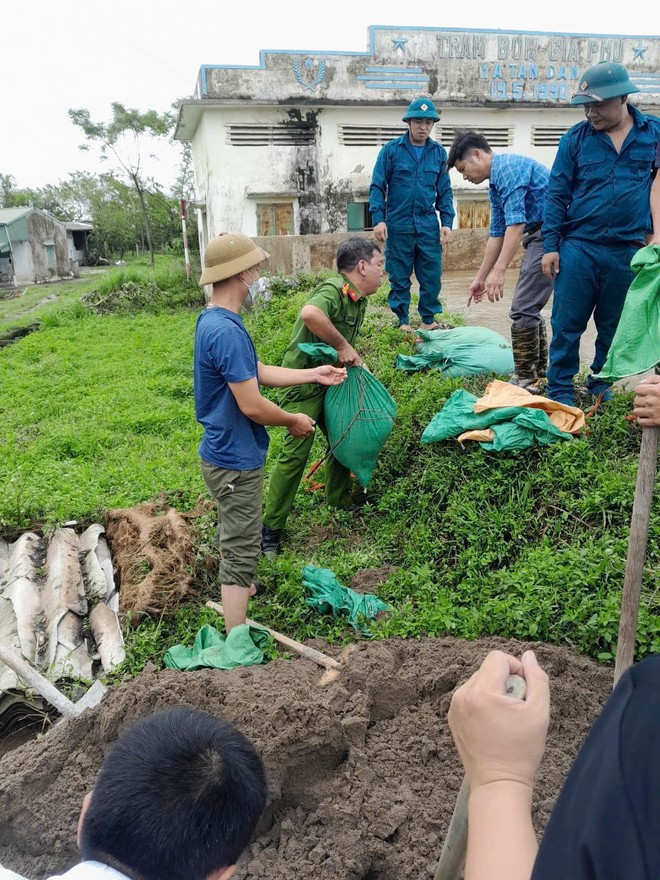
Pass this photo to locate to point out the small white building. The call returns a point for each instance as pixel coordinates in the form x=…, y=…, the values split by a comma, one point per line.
x=33, y=247
x=286, y=147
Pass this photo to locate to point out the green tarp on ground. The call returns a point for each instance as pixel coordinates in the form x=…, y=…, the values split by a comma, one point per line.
x=359, y=415
x=328, y=596
x=462, y=351
x=636, y=344
x=514, y=427
x=244, y=646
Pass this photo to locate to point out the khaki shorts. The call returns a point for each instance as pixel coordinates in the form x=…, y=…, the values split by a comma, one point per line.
x=239, y=498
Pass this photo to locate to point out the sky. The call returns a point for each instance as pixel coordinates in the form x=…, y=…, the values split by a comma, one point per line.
x=61, y=54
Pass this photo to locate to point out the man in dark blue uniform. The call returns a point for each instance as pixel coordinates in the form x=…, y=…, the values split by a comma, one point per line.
x=596, y=216
x=409, y=187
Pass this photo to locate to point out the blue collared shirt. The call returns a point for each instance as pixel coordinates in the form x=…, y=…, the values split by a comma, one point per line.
x=597, y=194
x=518, y=185
x=407, y=190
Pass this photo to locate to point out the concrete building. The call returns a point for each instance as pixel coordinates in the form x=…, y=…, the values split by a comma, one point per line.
x=33, y=247
x=77, y=234
x=286, y=147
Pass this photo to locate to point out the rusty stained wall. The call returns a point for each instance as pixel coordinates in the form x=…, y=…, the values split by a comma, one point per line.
x=232, y=180
x=44, y=229
x=291, y=253
x=451, y=65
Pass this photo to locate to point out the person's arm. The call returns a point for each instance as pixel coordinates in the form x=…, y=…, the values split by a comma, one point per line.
x=283, y=377
x=510, y=244
x=378, y=194
x=501, y=743
x=492, y=252
x=444, y=200
x=655, y=204
x=647, y=402
x=264, y=412
x=318, y=323
x=557, y=200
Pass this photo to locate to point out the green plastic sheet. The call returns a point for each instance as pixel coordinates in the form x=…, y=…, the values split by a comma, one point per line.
x=462, y=351
x=243, y=646
x=328, y=596
x=636, y=344
x=359, y=415
x=514, y=427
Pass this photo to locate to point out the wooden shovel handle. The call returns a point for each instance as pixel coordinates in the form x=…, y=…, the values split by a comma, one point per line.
x=292, y=644
x=639, y=532
x=452, y=858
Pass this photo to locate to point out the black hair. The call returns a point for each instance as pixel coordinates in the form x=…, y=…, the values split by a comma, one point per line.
x=351, y=251
x=464, y=143
x=177, y=798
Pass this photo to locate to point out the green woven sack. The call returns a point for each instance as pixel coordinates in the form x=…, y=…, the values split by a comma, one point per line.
x=359, y=414
x=636, y=344
x=359, y=417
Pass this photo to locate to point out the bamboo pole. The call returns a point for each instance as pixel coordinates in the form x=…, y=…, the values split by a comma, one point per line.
x=639, y=531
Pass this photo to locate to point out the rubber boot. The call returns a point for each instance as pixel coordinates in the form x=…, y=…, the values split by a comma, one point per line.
x=542, y=367
x=525, y=345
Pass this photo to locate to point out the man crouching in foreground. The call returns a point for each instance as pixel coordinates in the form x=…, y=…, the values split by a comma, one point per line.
x=177, y=798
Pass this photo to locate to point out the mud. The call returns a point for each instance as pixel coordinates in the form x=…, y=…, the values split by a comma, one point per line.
x=362, y=774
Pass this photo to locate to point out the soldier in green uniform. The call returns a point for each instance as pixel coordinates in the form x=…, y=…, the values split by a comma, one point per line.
x=333, y=314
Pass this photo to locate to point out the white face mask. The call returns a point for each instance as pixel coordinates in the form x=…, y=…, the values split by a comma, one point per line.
x=254, y=290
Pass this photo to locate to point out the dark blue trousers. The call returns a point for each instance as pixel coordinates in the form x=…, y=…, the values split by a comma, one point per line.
x=593, y=280
x=420, y=252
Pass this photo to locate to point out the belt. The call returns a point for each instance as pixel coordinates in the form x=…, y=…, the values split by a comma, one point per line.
x=534, y=227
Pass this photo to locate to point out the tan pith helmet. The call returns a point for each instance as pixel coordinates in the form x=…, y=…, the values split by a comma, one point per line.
x=228, y=254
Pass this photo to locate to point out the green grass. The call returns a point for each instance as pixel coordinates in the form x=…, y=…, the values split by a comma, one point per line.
x=38, y=300
x=97, y=412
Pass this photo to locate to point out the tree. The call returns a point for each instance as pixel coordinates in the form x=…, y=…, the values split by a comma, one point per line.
x=123, y=137
x=7, y=187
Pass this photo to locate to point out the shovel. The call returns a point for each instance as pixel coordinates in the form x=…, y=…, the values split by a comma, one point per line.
x=452, y=858
x=639, y=532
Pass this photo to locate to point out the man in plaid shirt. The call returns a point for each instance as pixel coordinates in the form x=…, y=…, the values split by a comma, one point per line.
x=517, y=191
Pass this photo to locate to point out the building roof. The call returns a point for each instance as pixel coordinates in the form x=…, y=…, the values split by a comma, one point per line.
x=456, y=67
x=10, y=215
x=78, y=226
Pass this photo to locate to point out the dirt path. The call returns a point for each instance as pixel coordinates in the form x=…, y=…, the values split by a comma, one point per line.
x=362, y=774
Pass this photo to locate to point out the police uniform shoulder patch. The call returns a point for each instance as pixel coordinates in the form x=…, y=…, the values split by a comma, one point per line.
x=347, y=290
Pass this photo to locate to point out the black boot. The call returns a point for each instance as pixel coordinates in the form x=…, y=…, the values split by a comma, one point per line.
x=525, y=345
x=542, y=367
x=271, y=540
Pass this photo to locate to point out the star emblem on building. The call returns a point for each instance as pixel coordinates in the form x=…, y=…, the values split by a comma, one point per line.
x=399, y=43
x=639, y=51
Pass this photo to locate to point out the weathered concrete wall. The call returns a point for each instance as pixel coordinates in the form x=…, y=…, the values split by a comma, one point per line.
x=290, y=253
x=321, y=179
x=23, y=264
x=467, y=66
x=44, y=232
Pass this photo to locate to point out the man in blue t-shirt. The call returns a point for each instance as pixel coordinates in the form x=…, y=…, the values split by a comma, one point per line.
x=232, y=411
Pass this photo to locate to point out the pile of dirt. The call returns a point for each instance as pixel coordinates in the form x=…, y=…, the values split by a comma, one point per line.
x=154, y=554
x=363, y=774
